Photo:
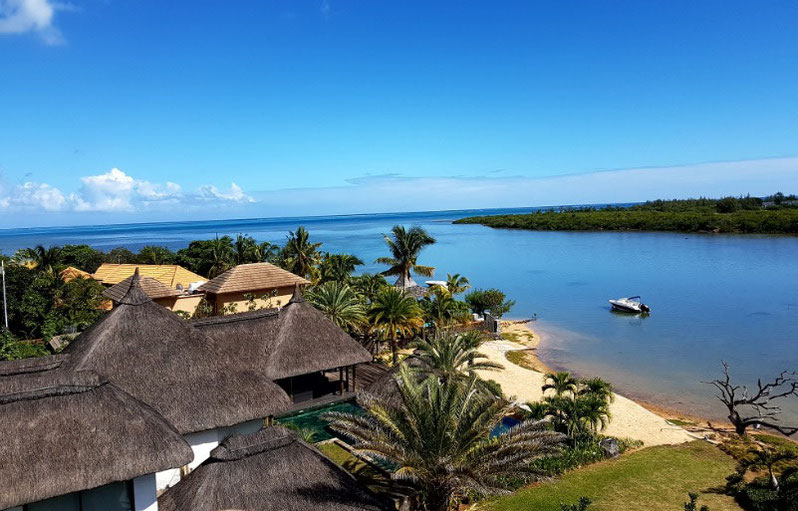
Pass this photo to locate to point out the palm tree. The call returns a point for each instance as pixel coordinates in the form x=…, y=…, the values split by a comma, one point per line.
x=246, y=249
x=441, y=309
x=154, y=254
x=405, y=247
x=221, y=256
x=300, y=256
x=760, y=459
x=339, y=303
x=457, y=284
x=396, y=312
x=368, y=285
x=39, y=258
x=450, y=357
x=597, y=387
x=338, y=267
x=577, y=415
x=560, y=383
x=437, y=435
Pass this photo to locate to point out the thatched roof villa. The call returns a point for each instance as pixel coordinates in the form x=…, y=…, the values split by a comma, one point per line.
x=294, y=346
x=76, y=441
x=143, y=397
x=196, y=383
x=266, y=471
x=270, y=287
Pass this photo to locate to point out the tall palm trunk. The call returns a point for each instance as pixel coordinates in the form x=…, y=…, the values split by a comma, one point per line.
x=394, y=348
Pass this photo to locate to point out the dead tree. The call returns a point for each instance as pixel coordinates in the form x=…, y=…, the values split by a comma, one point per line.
x=754, y=408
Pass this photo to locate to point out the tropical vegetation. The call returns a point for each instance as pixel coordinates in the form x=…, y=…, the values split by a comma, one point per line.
x=405, y=246
x=777, y=214
x=438, y=438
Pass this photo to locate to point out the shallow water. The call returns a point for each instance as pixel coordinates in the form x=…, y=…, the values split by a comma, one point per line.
x=714, y=297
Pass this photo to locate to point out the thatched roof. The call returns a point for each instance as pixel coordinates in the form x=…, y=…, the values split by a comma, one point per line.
x=31, y=365
x=72, y=273
x=169, y=275
x=270, y=470
x=66, y=431
x=152, y=287
x=409, y=286
x=297, y=339
x=252, y=277
x=161, y=359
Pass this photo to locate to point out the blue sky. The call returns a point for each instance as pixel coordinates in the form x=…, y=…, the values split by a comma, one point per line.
x=143, y=110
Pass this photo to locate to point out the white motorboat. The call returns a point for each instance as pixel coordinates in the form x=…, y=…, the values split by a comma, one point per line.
x=631, y=304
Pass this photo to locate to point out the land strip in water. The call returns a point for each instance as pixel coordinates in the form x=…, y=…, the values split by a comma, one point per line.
x=729, y=215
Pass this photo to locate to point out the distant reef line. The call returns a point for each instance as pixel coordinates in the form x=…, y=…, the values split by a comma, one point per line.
x=776, y=214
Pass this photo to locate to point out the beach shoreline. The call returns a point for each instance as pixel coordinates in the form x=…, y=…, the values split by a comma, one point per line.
x=521, y=332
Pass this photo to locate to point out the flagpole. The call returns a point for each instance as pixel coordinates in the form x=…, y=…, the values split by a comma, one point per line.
x=5, y=302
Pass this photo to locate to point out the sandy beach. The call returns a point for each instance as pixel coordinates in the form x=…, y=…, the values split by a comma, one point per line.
x=629, y=419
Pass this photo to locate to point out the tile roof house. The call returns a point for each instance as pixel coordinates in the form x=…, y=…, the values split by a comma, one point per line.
x=266, y=284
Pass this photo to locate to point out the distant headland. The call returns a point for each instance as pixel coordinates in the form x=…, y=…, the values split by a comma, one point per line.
x=775, y=214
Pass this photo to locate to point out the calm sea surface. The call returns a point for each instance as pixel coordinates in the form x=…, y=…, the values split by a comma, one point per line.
x=714, y=297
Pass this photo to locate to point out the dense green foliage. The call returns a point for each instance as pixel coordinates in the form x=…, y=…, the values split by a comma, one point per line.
x=767, y=473
x=41, y=304
x=489, y=300
x=726, y=215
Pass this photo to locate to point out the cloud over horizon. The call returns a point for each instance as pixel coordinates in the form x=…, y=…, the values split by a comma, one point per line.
x=127, y=199
x=116, y=192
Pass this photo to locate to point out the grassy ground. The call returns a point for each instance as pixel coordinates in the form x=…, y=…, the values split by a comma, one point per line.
x=653, y=479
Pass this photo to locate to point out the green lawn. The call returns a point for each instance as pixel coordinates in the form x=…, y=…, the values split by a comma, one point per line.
x=652, y=479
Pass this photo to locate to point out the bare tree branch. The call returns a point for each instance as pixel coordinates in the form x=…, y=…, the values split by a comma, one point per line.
x=761, y=411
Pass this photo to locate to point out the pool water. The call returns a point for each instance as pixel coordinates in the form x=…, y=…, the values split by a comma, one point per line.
x=504, y=426
x=312, y=420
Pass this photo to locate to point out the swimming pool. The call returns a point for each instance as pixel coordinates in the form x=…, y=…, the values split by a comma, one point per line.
x=504, y=426
x=312, y=420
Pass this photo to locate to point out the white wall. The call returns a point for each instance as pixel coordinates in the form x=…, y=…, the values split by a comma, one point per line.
x=202, y=443
x=145, y=496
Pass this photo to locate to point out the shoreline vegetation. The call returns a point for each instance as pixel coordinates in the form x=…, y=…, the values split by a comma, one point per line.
x=775, y=214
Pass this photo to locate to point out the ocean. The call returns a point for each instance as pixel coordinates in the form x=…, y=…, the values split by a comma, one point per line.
x=714, y=297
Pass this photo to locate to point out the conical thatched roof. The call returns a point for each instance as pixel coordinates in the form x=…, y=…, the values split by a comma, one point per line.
x=297, y=339
x=65, y=432
x=153, y=288
x=409, y=286
x=252, y=277
x=161, y=359
x=270, y=470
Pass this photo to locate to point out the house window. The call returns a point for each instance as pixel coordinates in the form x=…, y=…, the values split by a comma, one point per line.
x=111, y=497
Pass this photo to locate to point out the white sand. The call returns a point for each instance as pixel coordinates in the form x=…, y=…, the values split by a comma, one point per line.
x=629, y=419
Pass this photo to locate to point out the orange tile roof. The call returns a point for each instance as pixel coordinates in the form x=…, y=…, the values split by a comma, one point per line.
x=252, y=277
x=168, y=274
x=71, y=273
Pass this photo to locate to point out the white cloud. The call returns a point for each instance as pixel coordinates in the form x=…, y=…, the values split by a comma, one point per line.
x=35, y=196
x=116, y=191
x=23, y=16
x=235, y=194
